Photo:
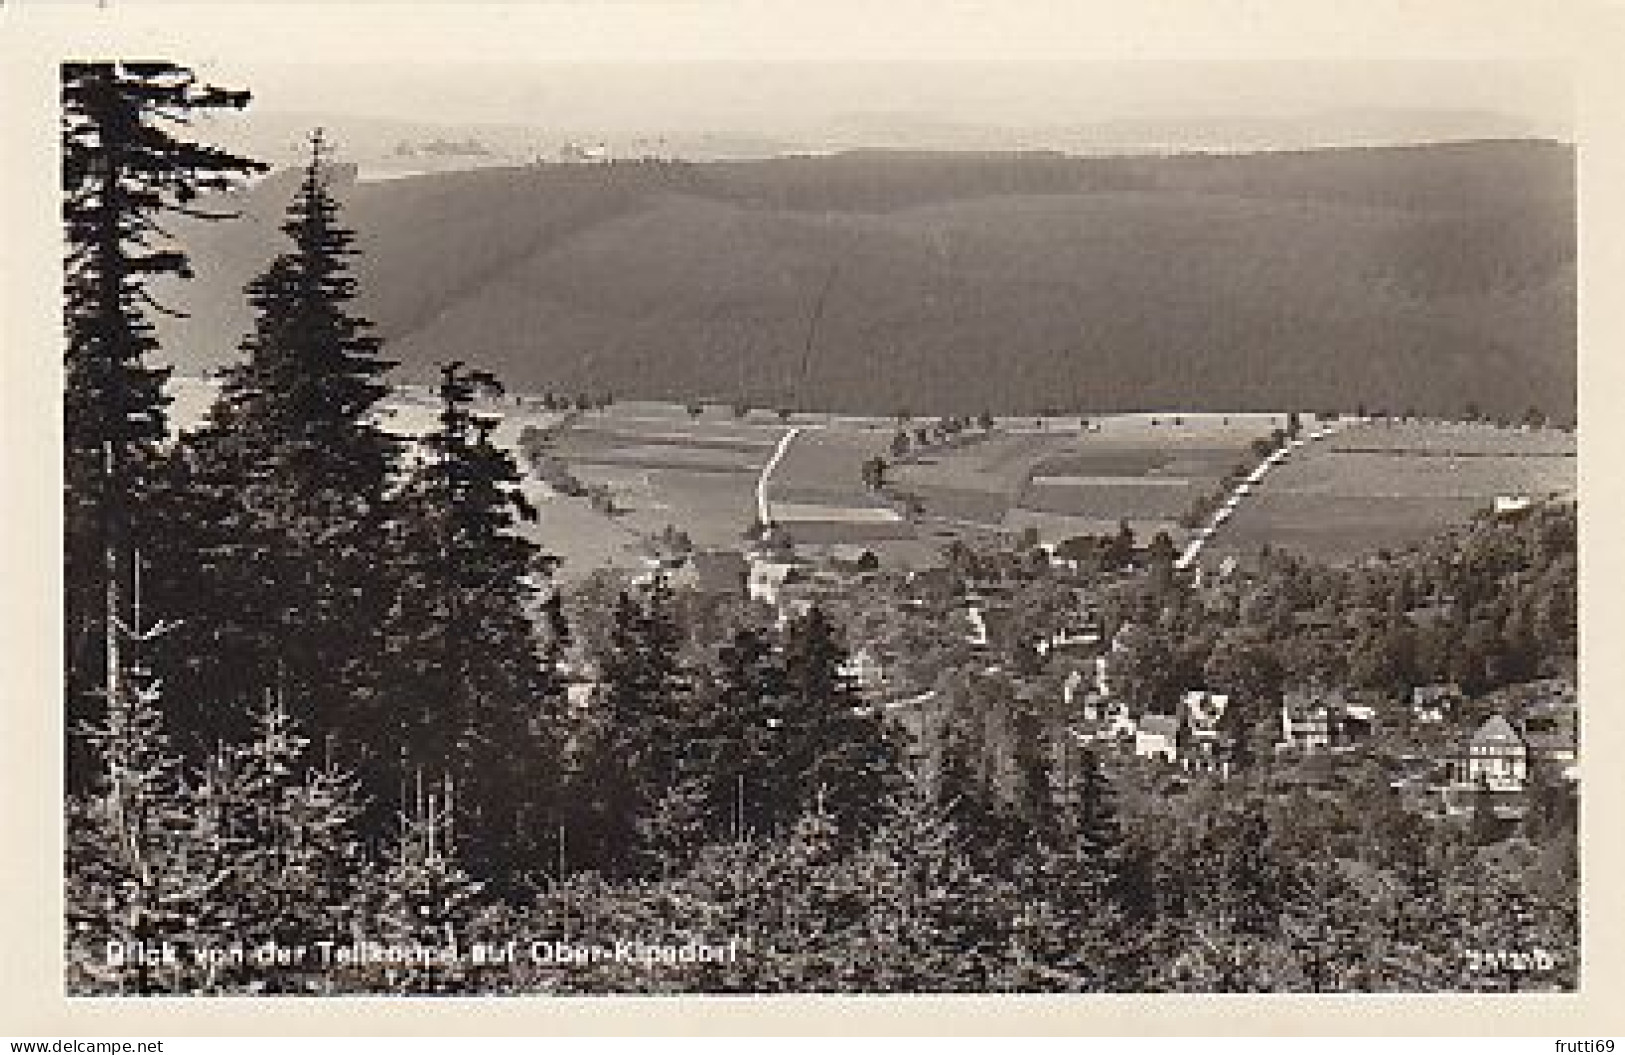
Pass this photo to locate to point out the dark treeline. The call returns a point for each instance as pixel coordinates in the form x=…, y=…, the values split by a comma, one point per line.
x=316, y=693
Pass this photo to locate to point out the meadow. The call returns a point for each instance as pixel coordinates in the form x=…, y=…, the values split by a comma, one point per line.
x=1064, y=477
x=1377, y=486
x=1365, y=486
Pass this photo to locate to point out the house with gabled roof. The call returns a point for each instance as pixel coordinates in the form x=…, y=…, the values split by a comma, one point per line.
x=1551, y=726
x=1557, y=748
x=1119, y=724
x=1203, y=709
x=1314, y=720
x=864, y=669
x=1307, y=720
x=1207, y=744
x=1497, y=756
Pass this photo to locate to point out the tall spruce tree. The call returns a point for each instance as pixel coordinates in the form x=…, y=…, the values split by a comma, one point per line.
x=838, y=749
x=1077, y=874
x=733, y=748
x=288, y=482
x=127, y=162
x=468, y=694
x=937, y=920
x=423, y=897
x=631, y=749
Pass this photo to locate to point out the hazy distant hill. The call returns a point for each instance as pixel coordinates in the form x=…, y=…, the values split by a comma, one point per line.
x=1421, y=277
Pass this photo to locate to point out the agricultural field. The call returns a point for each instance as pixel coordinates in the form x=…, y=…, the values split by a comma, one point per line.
x=1454, y=438
x=1062, y=476
x=1374, y=486
x=823, y=467
x=583, y=538
x=979, y=481
x=816, y=491
x=1363, y=487
x=661, y=466
x=1085, y=476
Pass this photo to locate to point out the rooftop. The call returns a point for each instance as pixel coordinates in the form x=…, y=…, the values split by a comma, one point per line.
x=1159, y=725
x=1497, y=730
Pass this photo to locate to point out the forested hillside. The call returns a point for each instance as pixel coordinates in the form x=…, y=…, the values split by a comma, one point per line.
x=1421, y=277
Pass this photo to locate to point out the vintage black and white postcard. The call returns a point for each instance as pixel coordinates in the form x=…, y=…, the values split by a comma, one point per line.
x=714, y=499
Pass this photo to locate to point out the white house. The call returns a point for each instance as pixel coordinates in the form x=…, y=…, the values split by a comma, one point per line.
x=1498, y=756
x=865, y=669
x=767, y=577
x=1204, y=709
x=1118, y=722
x=1157, y=736
x=1075, y=693
x=978, y=626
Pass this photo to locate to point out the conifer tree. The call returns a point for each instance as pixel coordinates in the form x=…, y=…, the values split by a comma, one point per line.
x=1321, y=922
x=1079, y=874
x=288, y=479
x=633, y=748
x=423, y=897
x=678, y=826
x=936, y=921
x=134, y=885
x=736, y=737
x=126, y=163
x=838, y=749
x=283, y=831
x=466, y=691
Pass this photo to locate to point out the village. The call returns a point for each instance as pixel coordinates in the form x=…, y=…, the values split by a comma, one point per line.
x=1046, y=624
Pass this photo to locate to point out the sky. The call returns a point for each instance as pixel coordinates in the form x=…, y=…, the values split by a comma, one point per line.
x=759, y=66
x=762, y=97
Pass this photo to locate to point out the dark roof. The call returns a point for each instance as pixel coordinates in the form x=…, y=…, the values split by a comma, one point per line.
x=1297, y=700
x=1159, y=725
x=1550, y=694
x=1436, y=692
x=719, y=570
x=1551, y=743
